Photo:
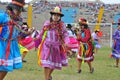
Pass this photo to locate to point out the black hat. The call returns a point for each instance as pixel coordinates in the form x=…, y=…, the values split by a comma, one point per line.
x=96, y=30
x=69, y=26
x=25, y=23
x=118, y=23
x=16, y=4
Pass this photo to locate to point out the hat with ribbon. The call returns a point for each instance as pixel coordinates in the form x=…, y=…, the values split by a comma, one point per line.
x=82, y=21
x=16, y=4
x=57, y=10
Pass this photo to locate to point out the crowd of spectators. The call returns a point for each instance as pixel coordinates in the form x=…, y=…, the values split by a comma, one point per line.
x=89, y=10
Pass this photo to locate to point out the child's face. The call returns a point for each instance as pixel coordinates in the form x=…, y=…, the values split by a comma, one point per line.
x=56, y=17
x=16, y=12
x=81, y=27
x=25, y=26
x=97, y=33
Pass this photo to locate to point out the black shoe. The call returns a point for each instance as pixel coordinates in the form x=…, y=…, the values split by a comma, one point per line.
x=92, y=70
x=50, y=78
x=116, y=66
x=79, y=71
x=24, y=61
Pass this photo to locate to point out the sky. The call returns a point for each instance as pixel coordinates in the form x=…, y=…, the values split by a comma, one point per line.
x=11, y=0
x=111, y=1
x=105, y=1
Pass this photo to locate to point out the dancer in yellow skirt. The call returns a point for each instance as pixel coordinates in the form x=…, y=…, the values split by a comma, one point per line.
x=23, y=52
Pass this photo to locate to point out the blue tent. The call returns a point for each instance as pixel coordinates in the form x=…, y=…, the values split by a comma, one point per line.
x=69, y=14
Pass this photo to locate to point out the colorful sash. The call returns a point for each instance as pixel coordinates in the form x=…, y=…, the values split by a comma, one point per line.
x=9, y=39
x=40, y=47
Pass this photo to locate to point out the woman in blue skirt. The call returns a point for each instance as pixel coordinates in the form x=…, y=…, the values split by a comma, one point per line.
x=116, y=45
x=10, y=57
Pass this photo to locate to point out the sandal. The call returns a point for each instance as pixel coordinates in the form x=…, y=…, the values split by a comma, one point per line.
x=24, y=61
x=50, y=78
x=92, y=70
x=79, y=71
x=116, y=66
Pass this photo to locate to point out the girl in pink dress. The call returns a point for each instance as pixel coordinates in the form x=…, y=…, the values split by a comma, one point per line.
x=26, y=42
x=73, y=43
x=52, y=50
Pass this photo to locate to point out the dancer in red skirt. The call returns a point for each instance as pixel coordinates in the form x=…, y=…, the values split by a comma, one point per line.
x=85, y=53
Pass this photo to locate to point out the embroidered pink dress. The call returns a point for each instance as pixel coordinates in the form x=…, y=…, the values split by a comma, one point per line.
x=52, y=54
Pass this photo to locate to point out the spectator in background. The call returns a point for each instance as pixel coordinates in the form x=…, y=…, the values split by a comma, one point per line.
x=96, y=39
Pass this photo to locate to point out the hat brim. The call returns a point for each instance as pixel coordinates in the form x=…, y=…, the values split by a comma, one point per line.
x=96, y=30
x=14, y=6
x=57, y=13
x=118, y=23
x=69, y=26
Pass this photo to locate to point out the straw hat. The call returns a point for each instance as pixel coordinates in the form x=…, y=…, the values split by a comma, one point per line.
x=57, y=10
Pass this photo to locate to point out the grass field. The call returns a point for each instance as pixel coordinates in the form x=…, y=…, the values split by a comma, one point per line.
x=103, y=65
